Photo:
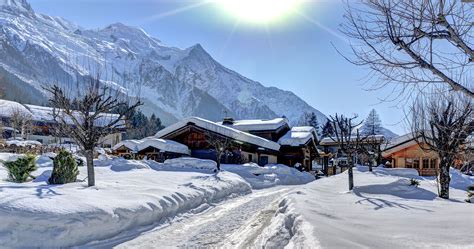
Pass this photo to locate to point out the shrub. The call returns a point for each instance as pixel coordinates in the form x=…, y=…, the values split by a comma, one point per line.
x=64, y=168
x=414, y=182
x=470, y=194
x=21, y=169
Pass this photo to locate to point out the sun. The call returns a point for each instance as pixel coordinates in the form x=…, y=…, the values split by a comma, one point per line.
x=259, y=11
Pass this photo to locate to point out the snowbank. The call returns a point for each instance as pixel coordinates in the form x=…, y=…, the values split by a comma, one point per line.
x=270, y=175
x=382, y=211
x=128, y=195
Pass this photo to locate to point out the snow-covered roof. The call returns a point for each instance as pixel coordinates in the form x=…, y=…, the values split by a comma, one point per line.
x=8, y=108
x=399, y=143
x=298, y=136
x=43, y=113
x=222, y=130
x=331, y=141
x=258, y=124
x=161, y=144
x=23, y=143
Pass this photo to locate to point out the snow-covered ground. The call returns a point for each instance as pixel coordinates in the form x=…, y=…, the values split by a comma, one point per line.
x=383, y=211
x=130, y=196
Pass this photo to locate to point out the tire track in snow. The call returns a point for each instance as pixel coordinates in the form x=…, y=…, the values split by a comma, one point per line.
x=235, y=222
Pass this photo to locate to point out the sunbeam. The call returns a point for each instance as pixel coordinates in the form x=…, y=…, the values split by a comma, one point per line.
x=193, y=5
x=322, y=26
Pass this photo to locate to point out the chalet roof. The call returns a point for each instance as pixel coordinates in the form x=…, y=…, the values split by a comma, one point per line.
x=161, y=144
x=222, y=130
x=298, y=136
x=399, y=143
x=258, y=124
x=330, y=141
x=45, y=114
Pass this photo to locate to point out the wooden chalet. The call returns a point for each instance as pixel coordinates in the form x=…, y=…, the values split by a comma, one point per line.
x=405, y=152
x=259, y=141
x=193, y=132
x=299, y=146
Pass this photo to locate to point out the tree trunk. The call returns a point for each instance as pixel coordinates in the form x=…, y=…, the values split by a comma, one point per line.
x=218, y=161
x=350, y=172
x=90, y=167
x=444, y=178
x=370, y=163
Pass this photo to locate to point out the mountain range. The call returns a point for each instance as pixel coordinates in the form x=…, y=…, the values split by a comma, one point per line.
x=38, y=50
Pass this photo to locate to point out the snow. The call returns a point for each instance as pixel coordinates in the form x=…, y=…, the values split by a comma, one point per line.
x=23, y=143
x=258, y=124
x=161, y=144
x=128, y=195
x=220, y=129
x=298, y=136
x=382, y=211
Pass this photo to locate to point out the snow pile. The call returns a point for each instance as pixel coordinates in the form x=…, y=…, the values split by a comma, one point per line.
x=270, y=175
x=384, y=211
x=257, y=124
x=41, y=215
x=184, y=163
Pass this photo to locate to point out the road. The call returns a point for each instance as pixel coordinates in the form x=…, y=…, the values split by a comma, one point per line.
x=233, y=223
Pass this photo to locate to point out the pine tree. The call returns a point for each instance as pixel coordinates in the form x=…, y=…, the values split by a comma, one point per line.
x=328, y=129
x=372, y=125
x=65, y=168
x=310, y=119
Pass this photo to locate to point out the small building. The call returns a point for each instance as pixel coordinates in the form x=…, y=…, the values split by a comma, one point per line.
x=151, y=148
x=335, y=161
x=42, y=125
x=405, y=152
x=246, y=147
x=299, y=146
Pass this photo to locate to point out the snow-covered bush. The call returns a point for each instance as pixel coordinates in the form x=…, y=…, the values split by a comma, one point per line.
x=64, y=168
x=20, y=169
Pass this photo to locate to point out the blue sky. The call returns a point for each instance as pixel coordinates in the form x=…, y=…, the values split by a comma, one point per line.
x=293, y=54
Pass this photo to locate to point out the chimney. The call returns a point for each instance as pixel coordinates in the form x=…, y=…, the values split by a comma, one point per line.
x=228, y=121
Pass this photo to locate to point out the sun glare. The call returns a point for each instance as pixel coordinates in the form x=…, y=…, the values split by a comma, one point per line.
x=259, y=11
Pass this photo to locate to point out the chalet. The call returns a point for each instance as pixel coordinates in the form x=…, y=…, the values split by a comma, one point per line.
x=405, y=152
x=151, y=148
x=246, y=147
x=42, y=124
x=299, y=146
x=335, y=161
x=259, y=141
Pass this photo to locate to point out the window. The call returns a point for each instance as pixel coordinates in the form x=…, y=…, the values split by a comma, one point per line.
x=408, y=163
x=426, y=163
x=416, y=163
x=433, y=164
x=250, y=158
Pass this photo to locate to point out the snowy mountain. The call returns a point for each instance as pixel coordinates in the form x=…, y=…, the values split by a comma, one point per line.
x=388, y=134
x=37, y=49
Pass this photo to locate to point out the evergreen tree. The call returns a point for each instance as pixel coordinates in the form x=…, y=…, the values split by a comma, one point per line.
x=327, y=129
x=310, y=119
x=372, y=125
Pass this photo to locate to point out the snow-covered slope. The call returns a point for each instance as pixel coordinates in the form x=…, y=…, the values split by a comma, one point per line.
x=174, y=83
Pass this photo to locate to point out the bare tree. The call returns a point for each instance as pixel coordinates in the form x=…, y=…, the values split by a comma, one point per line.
x=442, y=124
x=86, y=118
x=348, y=143
x=20, y=121
x=220, y=144
x=418, y=43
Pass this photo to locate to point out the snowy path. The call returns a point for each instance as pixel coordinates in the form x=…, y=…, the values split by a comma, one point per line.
x=236, y=221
